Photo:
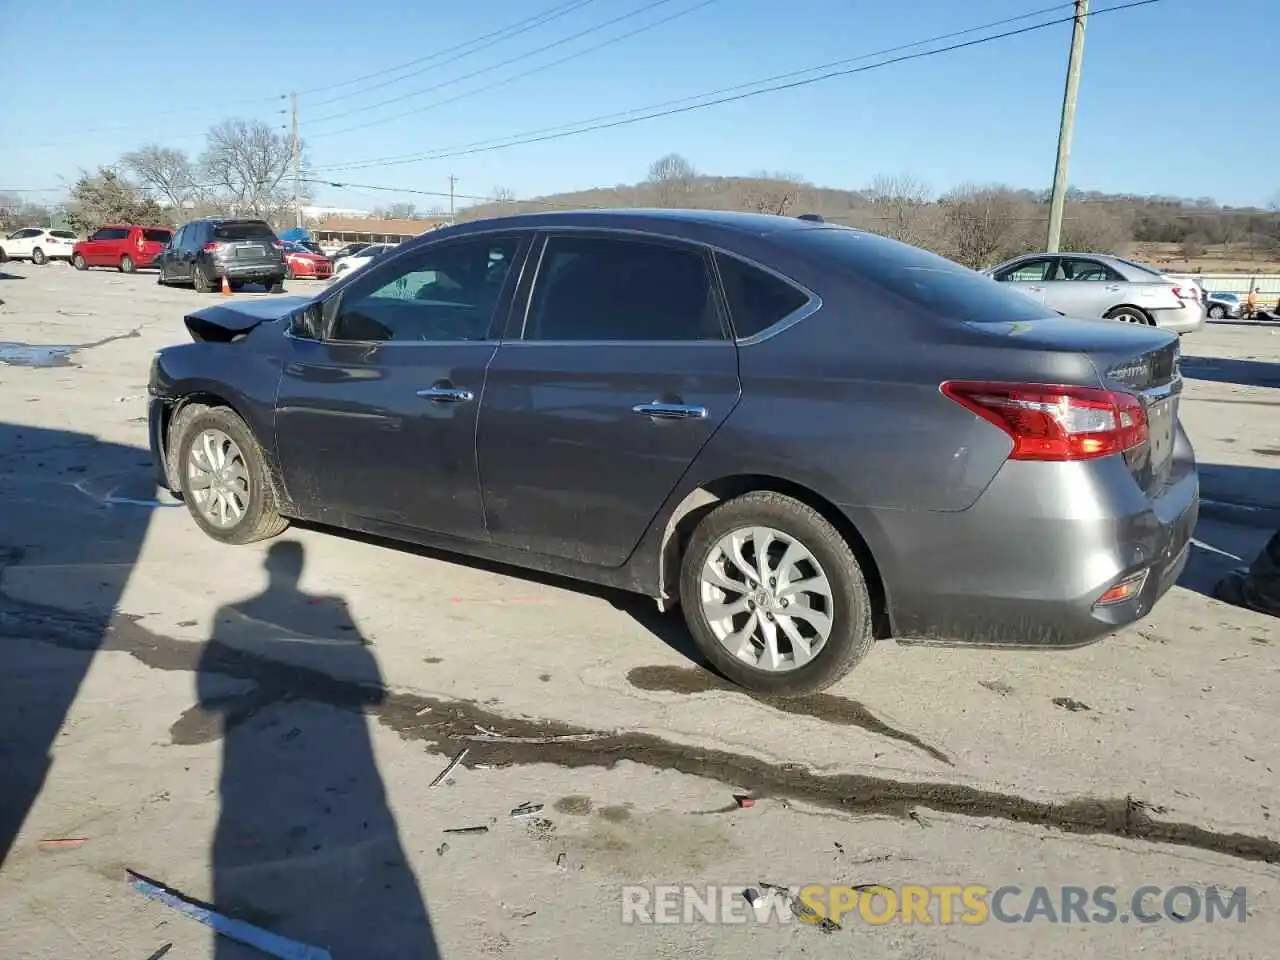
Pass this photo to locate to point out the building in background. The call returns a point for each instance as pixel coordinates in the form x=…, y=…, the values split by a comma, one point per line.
x=335, y=232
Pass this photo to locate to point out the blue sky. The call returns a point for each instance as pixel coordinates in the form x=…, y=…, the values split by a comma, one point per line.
x=1164, y=104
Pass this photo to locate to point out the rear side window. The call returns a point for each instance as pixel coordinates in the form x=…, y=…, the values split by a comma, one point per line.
x=757, y=300
x=157, y=236
x=110, y=233
x=924, y=279
x=603, y=288
x=243, y=230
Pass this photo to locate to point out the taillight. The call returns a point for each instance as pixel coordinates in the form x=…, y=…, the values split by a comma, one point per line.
x=278, y=245
x=1186, y=293
x=1049, y=422
x=211, y=247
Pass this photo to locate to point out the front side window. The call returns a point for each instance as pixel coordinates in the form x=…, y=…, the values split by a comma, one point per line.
x=605, y=288
x=446, y=293
x=1028, y=271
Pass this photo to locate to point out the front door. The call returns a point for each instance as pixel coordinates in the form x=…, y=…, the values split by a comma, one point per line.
x=376, y=420
x=1028, y=276
x=623, y=372
x=1083, y=287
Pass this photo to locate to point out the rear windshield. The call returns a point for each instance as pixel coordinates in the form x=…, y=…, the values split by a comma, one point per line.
x=62, y=234
x=243, y=230
x=157, y=236
x=921, y=278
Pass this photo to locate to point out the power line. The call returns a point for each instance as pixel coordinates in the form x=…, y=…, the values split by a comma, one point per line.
x=475, y=73
x=414, y=157
x=527, y=73
x=484, y=42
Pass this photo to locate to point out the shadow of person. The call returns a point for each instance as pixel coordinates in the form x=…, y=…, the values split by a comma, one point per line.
x=306, y=845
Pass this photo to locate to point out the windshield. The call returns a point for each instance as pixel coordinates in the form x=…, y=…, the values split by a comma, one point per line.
x=925, y=279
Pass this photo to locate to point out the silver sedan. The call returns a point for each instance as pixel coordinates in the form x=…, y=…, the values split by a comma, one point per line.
x=1094, y=285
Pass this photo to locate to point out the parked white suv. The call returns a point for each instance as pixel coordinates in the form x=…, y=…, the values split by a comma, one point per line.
x=38, y=245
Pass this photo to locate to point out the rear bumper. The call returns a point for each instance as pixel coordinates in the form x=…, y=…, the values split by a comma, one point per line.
x=251, y=270
x=1186, y=319
x=1027, y=564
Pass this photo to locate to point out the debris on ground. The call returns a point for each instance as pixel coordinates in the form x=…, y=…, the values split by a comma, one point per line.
x=1067, y=703
x=453, y=765
x=484, y=735
x=423, y=711
x=54, y=843
x=269, y=943
x=744, y=800
x=1257, y=586
x=161, y=952
x=440, y=850
x=799, y=909
x=560, y=860
x=752, y=896
x=460, y=830
x=526, y=809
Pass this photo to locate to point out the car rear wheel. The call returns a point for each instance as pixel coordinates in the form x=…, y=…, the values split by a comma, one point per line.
x=774, y=596
x=38, y=257
x=1129, y=315
x=127, y=265
x=1216, y=312
x=201, y=280
x=78, y=261
x=288, y=272
x=224, y=479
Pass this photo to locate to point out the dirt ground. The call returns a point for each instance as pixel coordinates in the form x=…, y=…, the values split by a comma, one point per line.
x=259, y=727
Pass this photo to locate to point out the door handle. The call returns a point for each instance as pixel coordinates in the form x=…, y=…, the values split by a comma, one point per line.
x=1036, y=289
x=669, y=411
x=446, y=394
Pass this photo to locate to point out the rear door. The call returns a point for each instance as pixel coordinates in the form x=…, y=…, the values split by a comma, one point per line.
x=1084, y=287
x=621, y=373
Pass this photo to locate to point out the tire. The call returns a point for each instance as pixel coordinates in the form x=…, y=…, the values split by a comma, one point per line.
x=127, y=265
x=1216, y=312
x=1127, y=314
x=38, y=257
x=851, y=616
x=288, y=272
x=79, y=262
x=4, y=257
x=254, y=493
x=275, y=285
x=202, y=282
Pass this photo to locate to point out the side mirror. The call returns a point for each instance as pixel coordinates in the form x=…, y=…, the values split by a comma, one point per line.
x=307, y=324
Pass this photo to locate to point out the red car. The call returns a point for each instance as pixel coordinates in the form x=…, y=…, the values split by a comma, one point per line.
x=307, y=264
x=126, y=248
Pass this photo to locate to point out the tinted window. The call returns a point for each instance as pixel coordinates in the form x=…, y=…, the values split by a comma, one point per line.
x=157, y=236
x=62, y=234
x=448, y=293
x=112, y=233
x=243, y=230
x=757, y=300
x=592, y=288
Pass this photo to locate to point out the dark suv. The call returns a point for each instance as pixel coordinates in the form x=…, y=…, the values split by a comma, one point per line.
x=205, y=251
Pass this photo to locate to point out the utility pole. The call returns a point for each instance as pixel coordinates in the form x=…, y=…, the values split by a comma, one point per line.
x=297, y=166
x=452, y=182
x=1069, y=97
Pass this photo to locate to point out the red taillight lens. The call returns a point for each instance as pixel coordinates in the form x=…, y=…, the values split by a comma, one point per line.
x=1049, y=422
x=1186, y=293
x=211, y=247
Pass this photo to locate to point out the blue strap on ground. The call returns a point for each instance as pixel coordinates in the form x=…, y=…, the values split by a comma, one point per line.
x=246, y=933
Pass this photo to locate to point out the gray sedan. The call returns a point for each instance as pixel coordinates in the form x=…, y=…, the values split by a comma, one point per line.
x=805, y=436
x=1093, y=285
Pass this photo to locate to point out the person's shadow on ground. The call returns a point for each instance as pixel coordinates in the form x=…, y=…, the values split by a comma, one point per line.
x=306, y=845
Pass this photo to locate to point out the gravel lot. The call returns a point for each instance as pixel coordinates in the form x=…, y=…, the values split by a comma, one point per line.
x=173, y=707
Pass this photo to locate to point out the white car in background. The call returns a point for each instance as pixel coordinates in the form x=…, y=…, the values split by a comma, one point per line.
x=38, y=245
x=343, y=266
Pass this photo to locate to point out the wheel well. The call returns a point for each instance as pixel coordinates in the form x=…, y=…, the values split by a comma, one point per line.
x=705, y=498
x=194, y=402
x=1133, y=306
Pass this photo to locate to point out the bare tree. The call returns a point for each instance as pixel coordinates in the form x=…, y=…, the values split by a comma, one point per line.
x=168, y=172
x=397, y=211
x=672, y=178
x=247, y=161
x=502, y=195
x=1092, y=228
x=983, y=224
x=901, y=209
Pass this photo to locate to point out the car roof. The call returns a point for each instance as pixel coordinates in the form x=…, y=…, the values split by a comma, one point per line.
x=659, y=220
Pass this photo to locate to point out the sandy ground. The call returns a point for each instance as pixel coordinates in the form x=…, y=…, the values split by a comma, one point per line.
x=260, y=730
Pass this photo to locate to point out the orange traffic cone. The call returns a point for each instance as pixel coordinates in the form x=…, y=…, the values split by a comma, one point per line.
x=226, y=286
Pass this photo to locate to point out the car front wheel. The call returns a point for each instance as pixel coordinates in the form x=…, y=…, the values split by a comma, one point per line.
x=224, y=479
x=79, y=262
x=774, y=596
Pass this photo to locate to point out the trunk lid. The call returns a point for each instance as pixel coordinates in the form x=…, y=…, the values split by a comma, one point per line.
x=247, y=240
x=1141, y=360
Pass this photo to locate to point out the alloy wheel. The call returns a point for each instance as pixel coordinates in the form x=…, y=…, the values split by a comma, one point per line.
x=767, y=599
x=218, y=479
